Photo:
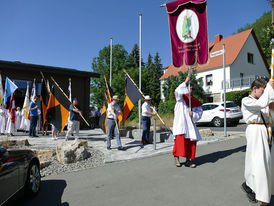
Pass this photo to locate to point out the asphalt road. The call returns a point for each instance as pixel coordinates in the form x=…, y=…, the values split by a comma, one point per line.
x=154, y=182
x=239, y=128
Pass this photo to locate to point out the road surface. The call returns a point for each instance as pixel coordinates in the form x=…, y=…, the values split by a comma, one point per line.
x=154, y=181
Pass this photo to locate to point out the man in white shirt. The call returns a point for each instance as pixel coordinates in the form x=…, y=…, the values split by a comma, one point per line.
x=147, y=112
x=113, y=112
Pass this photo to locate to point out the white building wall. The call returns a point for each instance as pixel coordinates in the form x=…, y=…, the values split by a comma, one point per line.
x=241, y=64
x=217, y=76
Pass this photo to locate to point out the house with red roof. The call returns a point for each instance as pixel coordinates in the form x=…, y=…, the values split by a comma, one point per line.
x=244, y=62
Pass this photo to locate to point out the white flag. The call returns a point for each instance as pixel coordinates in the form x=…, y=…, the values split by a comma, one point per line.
x=33, y=91
x=25, y=111
x=1, y=91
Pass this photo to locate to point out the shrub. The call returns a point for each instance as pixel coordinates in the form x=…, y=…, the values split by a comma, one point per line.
x=237, y=96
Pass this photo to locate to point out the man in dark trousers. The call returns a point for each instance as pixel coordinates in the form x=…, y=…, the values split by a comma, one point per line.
x=33, y=108
x=74, y=121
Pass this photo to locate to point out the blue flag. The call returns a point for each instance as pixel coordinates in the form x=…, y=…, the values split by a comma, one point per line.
x=10, y=87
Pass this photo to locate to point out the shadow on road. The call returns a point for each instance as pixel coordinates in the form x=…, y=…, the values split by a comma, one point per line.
x=215, y=156
x=50, y=194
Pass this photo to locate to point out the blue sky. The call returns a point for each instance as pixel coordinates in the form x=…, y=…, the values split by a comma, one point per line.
x=70, y=33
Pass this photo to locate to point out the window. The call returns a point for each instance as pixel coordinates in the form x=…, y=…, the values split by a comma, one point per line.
x=250, y=58
x=209, y=80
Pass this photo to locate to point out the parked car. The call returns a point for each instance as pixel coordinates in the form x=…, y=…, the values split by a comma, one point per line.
x=214, y=113
x=19, y=171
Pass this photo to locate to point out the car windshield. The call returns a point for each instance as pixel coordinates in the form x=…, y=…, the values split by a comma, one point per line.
x=230, y=104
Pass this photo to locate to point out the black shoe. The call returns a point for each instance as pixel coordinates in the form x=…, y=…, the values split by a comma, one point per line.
x=249, y=193
x=108, y=148
x=245, y=188
x=121, y=148
x=35, y=136
x=190, y=164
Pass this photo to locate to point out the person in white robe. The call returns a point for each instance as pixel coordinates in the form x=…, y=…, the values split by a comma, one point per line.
x=25, y=122
x=184, y=129
x=3, y=116
x=18, y=118
x=10, y=127
x=258, y=174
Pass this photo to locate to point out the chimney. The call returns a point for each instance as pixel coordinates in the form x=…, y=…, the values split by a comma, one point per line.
x=218, y=38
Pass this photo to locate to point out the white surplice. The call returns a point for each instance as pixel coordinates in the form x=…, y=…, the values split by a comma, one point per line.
x=10, y=128
x=18, y=118
x=3, y=116
x=258, y=171
x=182, y=123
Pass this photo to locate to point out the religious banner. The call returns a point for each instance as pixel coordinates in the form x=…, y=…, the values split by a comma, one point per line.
x=188, y=32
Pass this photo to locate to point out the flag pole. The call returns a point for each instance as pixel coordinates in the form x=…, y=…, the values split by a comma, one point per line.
x=68, y=99
x=110, y=63
x=45, y=81
x=140, y=66
x=144, y=97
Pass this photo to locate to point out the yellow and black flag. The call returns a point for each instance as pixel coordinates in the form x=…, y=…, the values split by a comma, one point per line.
x=132, y=95
x=58, y=108
x=103, y=117
x=44, y=99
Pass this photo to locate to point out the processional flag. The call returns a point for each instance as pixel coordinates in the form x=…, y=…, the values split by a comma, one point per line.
x=132, y=95
x=188, y=32
x=103, y=117
x=10, y=87
x=11, y=110
x=58, y=108
x=44, y=99
x=1, y=91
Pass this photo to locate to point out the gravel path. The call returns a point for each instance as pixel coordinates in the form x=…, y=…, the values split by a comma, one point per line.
x=95, y=160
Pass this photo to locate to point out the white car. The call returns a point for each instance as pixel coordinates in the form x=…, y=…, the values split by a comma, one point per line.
x=214, y=113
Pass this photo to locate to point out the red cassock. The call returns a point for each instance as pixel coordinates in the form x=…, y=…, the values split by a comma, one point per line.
x=184, y=147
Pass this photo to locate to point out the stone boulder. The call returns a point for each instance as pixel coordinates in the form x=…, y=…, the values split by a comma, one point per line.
x=8, y=143
x=206, y=132
x=72, y=151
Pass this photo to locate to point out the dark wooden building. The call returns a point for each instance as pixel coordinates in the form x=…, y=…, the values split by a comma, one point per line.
x=23, y=73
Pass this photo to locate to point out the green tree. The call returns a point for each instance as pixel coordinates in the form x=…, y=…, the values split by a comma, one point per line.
x=264, y=32
x=101, y=65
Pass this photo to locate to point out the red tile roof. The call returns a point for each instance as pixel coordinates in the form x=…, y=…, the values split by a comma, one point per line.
x=233, y=46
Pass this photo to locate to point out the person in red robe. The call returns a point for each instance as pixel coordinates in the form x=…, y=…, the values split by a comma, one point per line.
x=184, y=129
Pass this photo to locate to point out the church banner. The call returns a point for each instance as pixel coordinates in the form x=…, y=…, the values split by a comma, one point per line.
x=188, y=32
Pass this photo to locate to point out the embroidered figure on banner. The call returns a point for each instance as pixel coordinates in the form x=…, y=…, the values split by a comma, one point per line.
x=187, y=26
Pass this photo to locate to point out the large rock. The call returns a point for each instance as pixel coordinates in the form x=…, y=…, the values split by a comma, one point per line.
x=206, y=132
x=72, y=151
x=44, y=153
x=8, y=143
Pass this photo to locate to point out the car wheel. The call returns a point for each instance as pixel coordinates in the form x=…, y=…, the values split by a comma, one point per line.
x=33, y=182
x=217, y=122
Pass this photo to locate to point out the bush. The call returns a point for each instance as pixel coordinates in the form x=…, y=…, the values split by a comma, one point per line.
x=237, y=96
x=167, y=107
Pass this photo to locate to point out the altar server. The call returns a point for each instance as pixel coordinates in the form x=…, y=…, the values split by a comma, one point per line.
x=3, y=116
x=184, y=128
x=258, y=174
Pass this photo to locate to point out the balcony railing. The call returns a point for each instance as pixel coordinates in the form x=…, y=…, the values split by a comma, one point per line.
x=239, y=83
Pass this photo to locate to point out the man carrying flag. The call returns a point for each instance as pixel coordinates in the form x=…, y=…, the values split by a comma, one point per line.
x=33, y=108
x=113, y=112
x=132, y=95
x=74, y=122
